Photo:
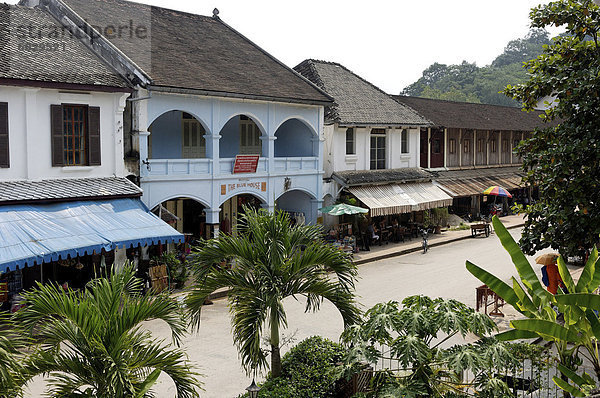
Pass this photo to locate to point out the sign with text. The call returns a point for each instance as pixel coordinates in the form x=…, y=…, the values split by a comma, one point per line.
x=258, y=186
x=245, y=164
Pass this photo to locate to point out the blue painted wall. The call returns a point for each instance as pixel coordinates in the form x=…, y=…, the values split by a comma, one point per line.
x=166, y=136
x=296, y=201
x=229, y=144
x=294, y=139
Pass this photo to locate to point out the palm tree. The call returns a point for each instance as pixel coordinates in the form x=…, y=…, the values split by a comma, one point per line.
x=12, y=369
x=272, y=260
x=93, y=343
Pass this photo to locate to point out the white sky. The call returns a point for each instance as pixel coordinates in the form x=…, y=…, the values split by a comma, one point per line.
x=388, y=42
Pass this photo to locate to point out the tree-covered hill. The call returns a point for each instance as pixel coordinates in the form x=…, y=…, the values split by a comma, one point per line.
x=469, y=83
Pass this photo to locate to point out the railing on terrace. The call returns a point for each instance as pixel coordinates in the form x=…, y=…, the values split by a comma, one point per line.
x=204, y=166
x=528, y=379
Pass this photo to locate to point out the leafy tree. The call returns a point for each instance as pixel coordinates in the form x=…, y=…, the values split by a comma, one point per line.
x=563, y=159
x=272, y=260
x=466, y=82
x=308, y=371
x=94, y=344
x=579, y=330
x=413, y=337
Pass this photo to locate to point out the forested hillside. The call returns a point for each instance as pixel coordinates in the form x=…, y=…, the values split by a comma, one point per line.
x=469, y=83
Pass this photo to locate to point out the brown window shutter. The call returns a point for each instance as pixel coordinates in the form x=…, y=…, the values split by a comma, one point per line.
x=58, y=142
x=4, y=151
x=94, y=155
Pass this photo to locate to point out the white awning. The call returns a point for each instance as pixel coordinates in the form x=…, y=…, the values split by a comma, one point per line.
x=401, y=198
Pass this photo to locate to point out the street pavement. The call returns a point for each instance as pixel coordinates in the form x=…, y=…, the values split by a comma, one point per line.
x=439, y=273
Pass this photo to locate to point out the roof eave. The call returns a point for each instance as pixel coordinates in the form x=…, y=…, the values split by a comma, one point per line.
x=62, y=86
x=211, y=93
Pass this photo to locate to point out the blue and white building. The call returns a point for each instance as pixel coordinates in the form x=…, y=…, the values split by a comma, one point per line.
x=204, y=95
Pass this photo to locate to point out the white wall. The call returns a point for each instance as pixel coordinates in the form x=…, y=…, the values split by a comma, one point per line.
x=335, y=158
x=29, y=133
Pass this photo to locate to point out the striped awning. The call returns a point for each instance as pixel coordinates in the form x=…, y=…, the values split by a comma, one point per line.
x=401, y=198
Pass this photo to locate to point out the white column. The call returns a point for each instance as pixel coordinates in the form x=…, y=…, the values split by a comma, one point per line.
x=445, y=148
x=143, y=143
x=315, y=205
x=268, y=142
x=474, y=147
x=460, y=148
x=119, y=154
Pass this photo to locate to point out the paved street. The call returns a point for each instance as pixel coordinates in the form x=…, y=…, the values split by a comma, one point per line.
x=439, y=273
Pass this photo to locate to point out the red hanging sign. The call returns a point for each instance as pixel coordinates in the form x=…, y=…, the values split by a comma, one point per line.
x=246, y=164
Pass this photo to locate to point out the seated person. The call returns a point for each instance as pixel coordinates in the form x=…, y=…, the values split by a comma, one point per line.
x=331, y=237
x=372, y=232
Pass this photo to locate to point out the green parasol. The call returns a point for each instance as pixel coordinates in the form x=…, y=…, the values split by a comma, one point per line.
x=342, y=208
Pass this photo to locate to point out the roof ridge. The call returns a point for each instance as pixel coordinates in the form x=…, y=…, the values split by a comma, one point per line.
x=378, y=89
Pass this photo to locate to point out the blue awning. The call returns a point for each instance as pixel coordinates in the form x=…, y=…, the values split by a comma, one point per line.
x=48, y=232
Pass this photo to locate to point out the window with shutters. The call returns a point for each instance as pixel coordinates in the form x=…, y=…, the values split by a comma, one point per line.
x=404, y=141
x=350, y=142
x=249, y=137
x=194, y=144
x=452, y=146
x=75, y=135
x=4, y=150
x=378, y=149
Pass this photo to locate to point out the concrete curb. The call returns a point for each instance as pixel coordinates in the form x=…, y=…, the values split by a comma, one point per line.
x=224, y=293
x=416, y=249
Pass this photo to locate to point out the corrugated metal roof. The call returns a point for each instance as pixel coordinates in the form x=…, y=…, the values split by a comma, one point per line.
x=66, y=188
x=401, y=198
x=49, y=232
x=460, y=183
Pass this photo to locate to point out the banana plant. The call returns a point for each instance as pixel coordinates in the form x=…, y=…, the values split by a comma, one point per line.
x=581, y=328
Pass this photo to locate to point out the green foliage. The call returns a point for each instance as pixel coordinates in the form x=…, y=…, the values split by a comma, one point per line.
x=440, y=216
x=563, y=159
x=272, y=261
x=178, y=272
x=578, y=333
x=468, y=83
x=308, y=370
x=13, y=369
x=92, y=342
x=413, y=336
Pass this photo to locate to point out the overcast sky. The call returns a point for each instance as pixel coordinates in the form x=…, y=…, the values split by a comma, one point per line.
x=389, y=43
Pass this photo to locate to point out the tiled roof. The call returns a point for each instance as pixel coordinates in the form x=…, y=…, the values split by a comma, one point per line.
x=466, y=115
x=352, y=178
x=356, y=101
x=182, y=50
x=66, y=189
x=33, y=46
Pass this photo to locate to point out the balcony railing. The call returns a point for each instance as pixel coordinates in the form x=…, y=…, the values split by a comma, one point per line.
x=204, y=167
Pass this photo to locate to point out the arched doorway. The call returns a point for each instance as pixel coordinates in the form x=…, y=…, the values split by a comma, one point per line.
x=298, y=205
x=240, y=136
x=176, y=135
x=233, y=209
x=185, y=215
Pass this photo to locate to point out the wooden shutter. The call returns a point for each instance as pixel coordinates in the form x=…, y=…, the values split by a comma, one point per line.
x=4, y=152
x=58, y=142
x=94, y=155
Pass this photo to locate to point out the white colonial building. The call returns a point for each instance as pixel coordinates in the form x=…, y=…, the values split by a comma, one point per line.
x=64, y=198
x=371, y=145
x=206, y=95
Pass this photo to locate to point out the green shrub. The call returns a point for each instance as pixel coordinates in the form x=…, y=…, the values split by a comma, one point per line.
x=307, y=371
